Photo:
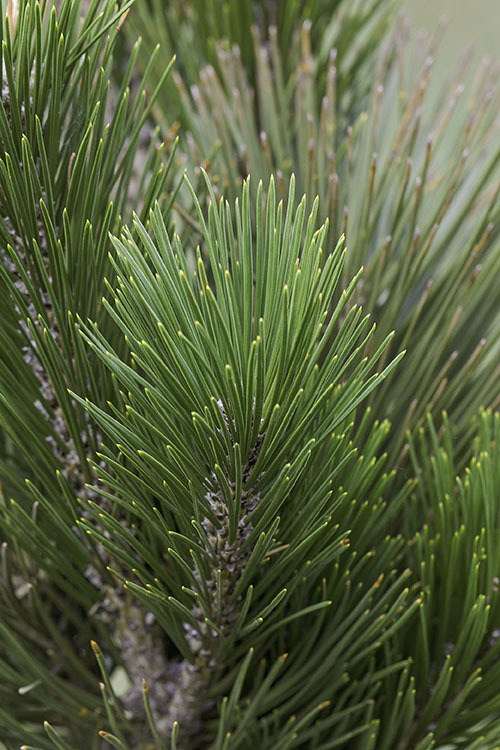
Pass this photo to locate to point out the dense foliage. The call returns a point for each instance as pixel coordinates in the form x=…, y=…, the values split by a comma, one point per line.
x=249, y=452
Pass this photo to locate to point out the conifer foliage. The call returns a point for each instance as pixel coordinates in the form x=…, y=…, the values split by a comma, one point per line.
x=249, y=452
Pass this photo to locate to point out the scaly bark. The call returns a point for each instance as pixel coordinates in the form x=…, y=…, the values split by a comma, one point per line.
x=190, y=699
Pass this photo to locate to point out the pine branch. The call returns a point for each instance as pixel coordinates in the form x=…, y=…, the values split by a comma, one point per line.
x=58, y=205
x=255, y=409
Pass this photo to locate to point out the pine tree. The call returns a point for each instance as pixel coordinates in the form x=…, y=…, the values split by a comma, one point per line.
x=249, y=452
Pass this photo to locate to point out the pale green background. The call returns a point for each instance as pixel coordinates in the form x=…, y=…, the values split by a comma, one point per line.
x=470, y=21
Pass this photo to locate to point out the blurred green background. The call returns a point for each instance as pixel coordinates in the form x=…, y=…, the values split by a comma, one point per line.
x=475, y=22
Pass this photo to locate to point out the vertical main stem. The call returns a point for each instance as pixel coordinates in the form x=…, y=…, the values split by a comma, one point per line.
x=190, y=698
